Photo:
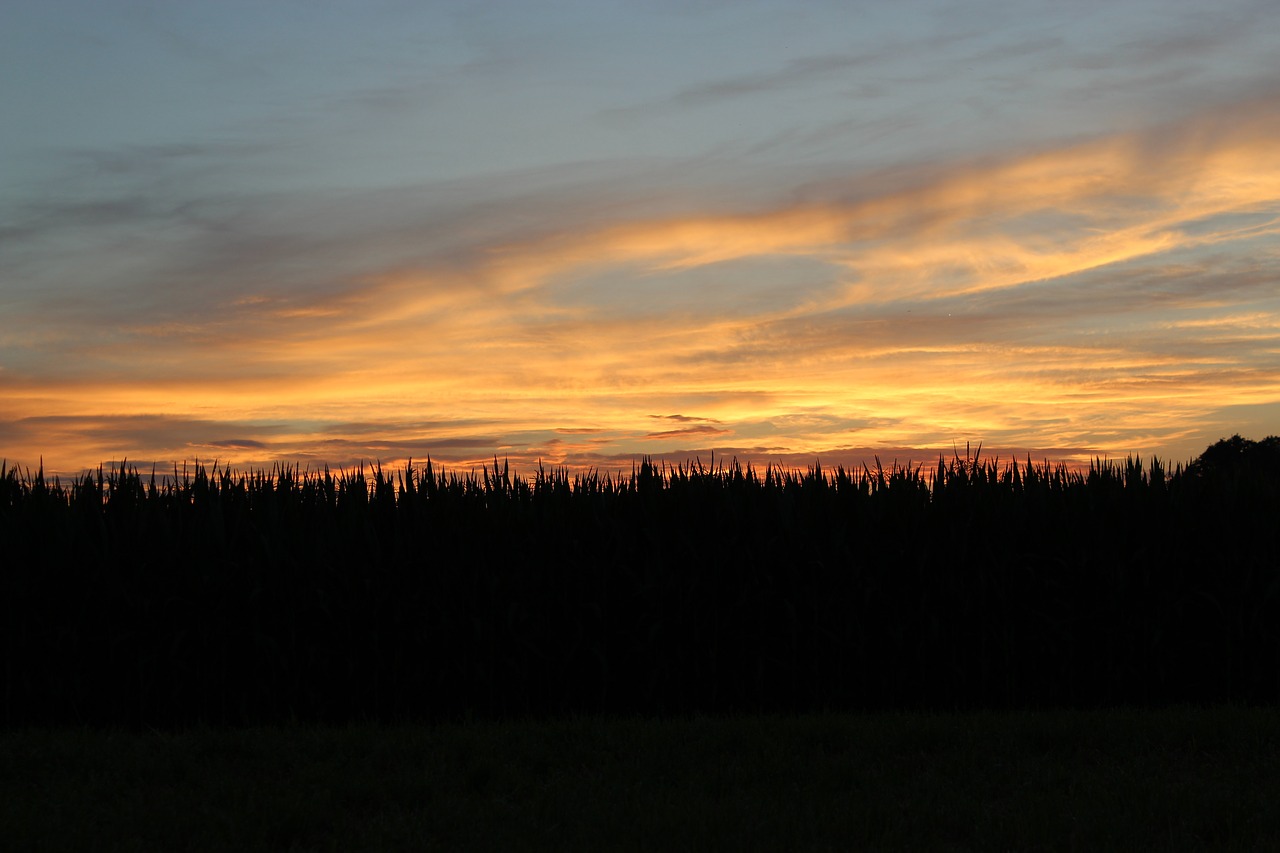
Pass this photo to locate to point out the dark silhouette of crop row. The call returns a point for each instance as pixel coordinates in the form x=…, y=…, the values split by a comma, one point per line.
x=242, y=598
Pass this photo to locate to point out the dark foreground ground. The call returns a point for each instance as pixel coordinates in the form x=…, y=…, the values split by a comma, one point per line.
x=233, y=600
x=1175, y=779
x=685, y=659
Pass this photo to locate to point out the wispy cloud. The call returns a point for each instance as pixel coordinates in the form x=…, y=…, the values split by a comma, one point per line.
x=687, y=432
x=794, y=73
x=1048, y=299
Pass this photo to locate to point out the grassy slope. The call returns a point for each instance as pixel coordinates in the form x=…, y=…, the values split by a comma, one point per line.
x=1180, y=778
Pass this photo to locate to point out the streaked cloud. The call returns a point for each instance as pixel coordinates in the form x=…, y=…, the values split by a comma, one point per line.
x=1088, y=290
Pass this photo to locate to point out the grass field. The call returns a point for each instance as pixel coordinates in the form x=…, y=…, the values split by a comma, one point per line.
x=1175, y=779
x=686, y=658
x=256, y=599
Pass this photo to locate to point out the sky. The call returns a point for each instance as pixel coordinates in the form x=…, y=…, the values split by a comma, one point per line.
x=581, y=233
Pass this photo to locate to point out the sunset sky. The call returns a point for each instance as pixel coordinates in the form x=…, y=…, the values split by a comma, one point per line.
x=583, y=232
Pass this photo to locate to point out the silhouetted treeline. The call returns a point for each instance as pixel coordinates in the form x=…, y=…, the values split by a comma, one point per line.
x=241, y=598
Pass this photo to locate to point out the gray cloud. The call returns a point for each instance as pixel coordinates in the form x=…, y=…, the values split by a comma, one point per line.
x=701, y=429
x=795, y=72
x=187, y=271
x=685, y=419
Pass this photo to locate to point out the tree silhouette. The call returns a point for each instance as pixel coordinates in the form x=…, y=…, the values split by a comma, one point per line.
x=1236, y=455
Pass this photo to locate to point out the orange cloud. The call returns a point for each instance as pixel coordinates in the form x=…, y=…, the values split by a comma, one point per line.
x=1073, y=298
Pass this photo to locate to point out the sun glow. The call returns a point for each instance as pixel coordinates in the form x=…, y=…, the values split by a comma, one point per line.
x=1049, y=301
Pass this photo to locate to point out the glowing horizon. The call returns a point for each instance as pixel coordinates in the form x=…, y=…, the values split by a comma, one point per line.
x=815, y=286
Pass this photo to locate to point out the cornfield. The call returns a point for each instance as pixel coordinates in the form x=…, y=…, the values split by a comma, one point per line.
x=234, y=598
